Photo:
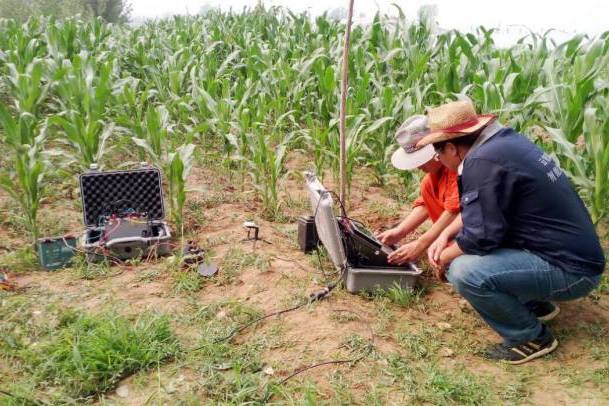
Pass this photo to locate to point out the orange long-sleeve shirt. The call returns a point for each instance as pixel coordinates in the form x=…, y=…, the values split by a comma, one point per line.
x=439, y=192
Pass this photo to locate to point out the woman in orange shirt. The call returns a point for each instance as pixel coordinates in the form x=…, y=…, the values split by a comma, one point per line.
x=439, y=199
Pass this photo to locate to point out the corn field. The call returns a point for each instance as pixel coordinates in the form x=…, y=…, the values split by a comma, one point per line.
x=258, y=85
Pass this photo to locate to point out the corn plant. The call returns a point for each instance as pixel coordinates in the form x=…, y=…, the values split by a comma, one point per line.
x=265, y=164
x=222, y=114
x=24, y=139
x=179, y=166
x=28, y=89
x=175, y=161
x=21, y=43
x=238, y=82
x=23, y=180
x=156, y=131
x=356, y=148
x=318, y=138
x=572, y=88
x=84, y=89
x=596, y=137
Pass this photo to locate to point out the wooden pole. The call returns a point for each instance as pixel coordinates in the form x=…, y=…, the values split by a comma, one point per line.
x=343, y=107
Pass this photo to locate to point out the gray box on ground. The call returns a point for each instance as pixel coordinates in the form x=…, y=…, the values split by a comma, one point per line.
x=358, y=279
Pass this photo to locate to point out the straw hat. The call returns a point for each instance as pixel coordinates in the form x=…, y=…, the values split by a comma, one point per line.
x=453, y=120
x=410, y=156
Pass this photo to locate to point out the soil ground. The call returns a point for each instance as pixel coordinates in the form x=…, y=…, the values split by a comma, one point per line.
x=422, y=350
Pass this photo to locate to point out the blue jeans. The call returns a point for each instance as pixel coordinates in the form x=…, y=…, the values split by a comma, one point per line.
x=499, y=284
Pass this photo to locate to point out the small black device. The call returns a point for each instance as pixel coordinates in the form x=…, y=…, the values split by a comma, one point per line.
x=308, y=239
x=251, y=226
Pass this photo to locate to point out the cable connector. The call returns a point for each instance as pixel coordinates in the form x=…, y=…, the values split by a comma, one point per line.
x=321, y=294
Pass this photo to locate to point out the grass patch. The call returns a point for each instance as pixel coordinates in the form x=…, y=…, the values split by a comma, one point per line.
x=20, y=260
x=430, y=384
x=236, y=261
x=195, y=215
x=148, y=276
x=91, y=270
x=186, y=281
x=89, y=354
x=403, y=297
x=603, y=287
x=515, y=393
x=384, y=318
x=385, y=210
x=600, y=376
x=444, y=386
x=421, y=343
x=343, y=316
x=233, y=373
x=19, y=326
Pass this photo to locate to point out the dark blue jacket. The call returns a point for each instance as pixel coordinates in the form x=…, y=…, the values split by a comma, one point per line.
x=513, y=195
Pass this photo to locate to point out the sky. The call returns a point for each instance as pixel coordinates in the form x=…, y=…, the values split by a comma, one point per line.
x=515, y=17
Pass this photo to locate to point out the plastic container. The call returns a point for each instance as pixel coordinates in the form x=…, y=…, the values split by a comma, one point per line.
x=307, y=234
x=360, y=272
x=56, y=252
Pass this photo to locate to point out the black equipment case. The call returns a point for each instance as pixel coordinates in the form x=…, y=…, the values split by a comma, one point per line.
x=124, y=214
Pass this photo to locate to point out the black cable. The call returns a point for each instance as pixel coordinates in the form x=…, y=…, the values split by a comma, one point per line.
x=321, y=266
x=313, y=297
x=340, y=361
x=299, y=371
x=239, y=329
x=289, y=260
x=343, y=211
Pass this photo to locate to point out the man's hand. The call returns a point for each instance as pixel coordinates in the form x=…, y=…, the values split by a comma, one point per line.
x=446, y=257
x=406, y=253
x=391, y=236
x=435, y=250
x=439, y=272
x=439, y=269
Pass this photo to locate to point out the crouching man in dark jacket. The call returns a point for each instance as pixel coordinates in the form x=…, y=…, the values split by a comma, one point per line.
x=524, y=237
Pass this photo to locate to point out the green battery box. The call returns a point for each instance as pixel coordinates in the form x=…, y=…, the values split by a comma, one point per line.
x=56, y=252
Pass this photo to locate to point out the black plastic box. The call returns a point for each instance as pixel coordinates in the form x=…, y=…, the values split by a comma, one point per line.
x=307, y=234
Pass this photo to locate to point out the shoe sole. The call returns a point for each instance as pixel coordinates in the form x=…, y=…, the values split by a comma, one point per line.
x=550, y=316
x=537, y=354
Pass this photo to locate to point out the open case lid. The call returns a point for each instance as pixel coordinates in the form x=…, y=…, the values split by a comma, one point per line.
x=325, y=220
x=139, y=189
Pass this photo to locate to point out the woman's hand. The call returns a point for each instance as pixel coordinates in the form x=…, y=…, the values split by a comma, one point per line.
x=406, y=253
x=390, y=237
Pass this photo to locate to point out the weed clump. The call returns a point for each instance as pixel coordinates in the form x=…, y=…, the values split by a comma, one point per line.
x=90, y=354
x=403, y=297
